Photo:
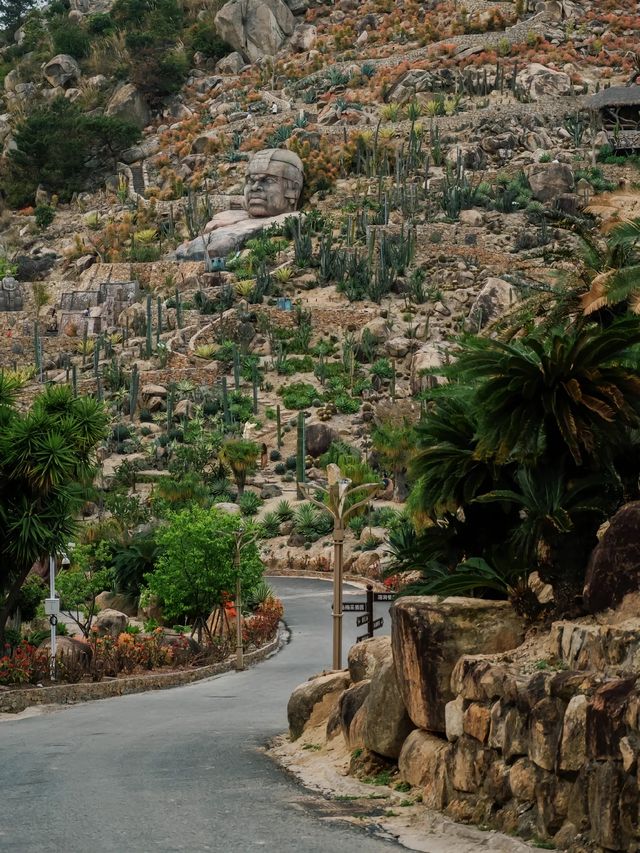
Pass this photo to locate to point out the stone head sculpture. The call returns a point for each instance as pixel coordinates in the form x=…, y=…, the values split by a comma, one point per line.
x=274, y=183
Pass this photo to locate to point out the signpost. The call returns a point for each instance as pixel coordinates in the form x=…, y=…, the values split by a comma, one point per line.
x=366, y=608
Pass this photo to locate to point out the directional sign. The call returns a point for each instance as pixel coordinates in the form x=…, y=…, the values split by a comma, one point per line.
x=354, y=608
x=377, y=623
x=362, y=620
x=362, y=637
x=384, y=596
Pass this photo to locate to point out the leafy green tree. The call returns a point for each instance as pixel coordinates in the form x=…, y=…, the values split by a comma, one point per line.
x=46, y=472
x=60, y=147
x=195, y=569
x=12, y=14
x=80, y=585
x=241, y=456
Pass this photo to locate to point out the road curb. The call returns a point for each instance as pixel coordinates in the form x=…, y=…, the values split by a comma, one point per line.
x=15, y=701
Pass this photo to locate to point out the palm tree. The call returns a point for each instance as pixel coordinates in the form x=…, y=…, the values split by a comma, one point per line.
x=395, y=446
x=577, y=391
x=241, y=456
x=46, y=470
x=614, y=270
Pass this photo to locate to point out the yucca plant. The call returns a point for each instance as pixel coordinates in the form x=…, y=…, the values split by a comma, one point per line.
x=284, y=510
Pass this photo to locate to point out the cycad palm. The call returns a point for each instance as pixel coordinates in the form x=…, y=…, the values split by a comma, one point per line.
x=616, y=270
x=579, y=391
x=45, y=472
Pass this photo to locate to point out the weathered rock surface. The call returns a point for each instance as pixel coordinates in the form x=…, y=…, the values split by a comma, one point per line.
x=306, y=696
x=419, y=758
x=539, y=82
x=549, y=180
x=387, y=723
x=366, y=658
x=111, y=622
x=62, y=70
x=255, y=28
x=428, y=638
x=496, y=297
x=351, y=701
x=319, y=438
x=128, y=103
x=614, y=566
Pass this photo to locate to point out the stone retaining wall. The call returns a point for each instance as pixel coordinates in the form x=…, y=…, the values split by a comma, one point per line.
x=15, y=701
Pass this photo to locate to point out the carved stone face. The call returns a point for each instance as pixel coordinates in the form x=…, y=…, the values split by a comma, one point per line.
x=274, y=183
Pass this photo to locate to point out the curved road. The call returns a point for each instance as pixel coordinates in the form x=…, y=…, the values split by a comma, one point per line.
x=178, y=769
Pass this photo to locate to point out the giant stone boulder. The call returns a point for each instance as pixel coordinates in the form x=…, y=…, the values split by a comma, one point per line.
x=306, y=696
x=255, y=28
x=540, y=82
x=614, y=565
x=319, y=438
x=496, y=297
x=429, y=635
x=387, y=722
x=62, y=71
x=548, y=181
x=128, y=103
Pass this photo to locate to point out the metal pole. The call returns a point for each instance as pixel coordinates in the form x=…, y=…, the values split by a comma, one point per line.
x=52, y=619
x=239, y=648
x=338, y=540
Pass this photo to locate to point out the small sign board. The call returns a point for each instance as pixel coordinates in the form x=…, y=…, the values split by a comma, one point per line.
x=377, y=623
x=362, y=620
x=384, y=596
x=354, y=608
x=362, y=637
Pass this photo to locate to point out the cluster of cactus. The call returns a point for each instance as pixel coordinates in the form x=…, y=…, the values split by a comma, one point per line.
x=149, y=328
x=326, y=412
x=197, y=212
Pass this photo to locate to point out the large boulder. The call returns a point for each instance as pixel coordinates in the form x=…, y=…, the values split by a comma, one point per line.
x=111, y=622
x=351, y=701
x=366, y=658
x=420, y=757
x=425, y=360
x=614, y=566
x=429, y=635
x=496, y=297
x=319, y=438
x=127, y=604
x=306, y=696
x=128, y=104
x=540, y=82
x=387, y=723
x=62, y=71
x=70, y=648
x=255, y=28
x=549, y=180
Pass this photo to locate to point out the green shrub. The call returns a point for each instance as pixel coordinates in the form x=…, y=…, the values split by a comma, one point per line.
x=100, y=24
x=275, y=455
x=203, y=38
x=61, y=148
x=298, y=395
x=280, y=468
x=271, y=525
x=69, y=38
x=250, y=503
x=44, y=214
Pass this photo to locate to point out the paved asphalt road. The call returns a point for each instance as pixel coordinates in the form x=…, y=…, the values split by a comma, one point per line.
x=177, y=769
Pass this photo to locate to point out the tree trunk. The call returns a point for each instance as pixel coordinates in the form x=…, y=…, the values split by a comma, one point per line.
x=400, y=488
x=9, y=603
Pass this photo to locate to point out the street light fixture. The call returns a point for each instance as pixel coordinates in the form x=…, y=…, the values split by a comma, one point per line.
x=338, y=491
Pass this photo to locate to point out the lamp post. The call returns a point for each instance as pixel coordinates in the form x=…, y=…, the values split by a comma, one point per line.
x=242, y=536
x=339, y=489
x=52, y=609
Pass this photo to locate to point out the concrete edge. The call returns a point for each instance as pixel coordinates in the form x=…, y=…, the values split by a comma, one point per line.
x=16, y=701
x=356, y=580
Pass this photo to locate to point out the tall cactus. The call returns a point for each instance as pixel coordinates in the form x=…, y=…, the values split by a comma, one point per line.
x=36, y=350
x=301, y=453
x=226, y=412
x=85, y=331
x=134, y=387
x=169, y=410
x=178, y=309
x=393, y=380
x=278, y=428
x=74, y=380
x=149, y=328
x=236, y=368
x=159, y=327
x=254, y=383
